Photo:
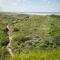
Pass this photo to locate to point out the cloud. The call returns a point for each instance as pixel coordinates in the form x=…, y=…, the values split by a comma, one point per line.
x=28, y=5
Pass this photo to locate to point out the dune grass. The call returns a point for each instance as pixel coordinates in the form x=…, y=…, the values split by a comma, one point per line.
x=38, y=55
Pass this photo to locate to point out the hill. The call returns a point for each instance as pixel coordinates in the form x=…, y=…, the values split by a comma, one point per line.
x=23, y=33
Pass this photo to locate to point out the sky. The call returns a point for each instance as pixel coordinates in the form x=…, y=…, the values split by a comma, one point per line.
x=30, y=5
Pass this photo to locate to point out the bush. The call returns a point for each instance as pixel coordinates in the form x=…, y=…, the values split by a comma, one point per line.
x=16, y=29
x=57, y=40
x=4, y=42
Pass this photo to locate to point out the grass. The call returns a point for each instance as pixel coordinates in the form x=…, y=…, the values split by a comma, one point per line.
x=38, y=55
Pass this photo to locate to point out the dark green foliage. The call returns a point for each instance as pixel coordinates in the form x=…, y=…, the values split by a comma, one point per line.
x=4, y=43
x=23, y=39
x=5, y=30
x=55, y=16
x=57, y=40
x=16, y=30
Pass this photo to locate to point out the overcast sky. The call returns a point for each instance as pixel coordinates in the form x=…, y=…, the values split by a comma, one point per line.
x=30, y=5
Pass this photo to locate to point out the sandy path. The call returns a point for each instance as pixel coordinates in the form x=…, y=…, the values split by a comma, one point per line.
x=10, y=39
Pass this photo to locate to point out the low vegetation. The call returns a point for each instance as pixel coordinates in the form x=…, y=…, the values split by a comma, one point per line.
x=38, y=55
x=34, y=37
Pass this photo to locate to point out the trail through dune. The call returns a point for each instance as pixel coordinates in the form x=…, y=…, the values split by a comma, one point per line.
x=10, y=39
